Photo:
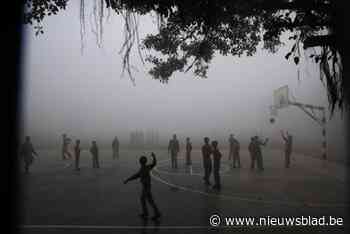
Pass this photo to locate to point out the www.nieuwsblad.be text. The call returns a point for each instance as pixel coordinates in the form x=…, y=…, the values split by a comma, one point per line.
x=216, y=221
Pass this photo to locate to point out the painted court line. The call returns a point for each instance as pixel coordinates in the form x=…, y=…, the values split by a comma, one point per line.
x=252, y=200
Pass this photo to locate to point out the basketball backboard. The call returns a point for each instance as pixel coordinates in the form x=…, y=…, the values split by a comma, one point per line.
x=281, y=97
x=273, y=111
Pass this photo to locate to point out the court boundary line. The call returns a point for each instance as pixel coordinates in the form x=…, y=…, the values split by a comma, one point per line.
x=252, y=200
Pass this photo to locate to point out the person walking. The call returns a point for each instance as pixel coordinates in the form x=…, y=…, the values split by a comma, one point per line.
x=26, y=152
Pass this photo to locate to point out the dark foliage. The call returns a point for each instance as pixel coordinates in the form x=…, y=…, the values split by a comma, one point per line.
x=192, y=31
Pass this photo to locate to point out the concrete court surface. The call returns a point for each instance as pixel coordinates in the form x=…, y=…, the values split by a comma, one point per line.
x=57, y=199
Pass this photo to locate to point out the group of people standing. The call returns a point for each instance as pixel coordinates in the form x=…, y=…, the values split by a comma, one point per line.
x=254, y=149
x=94, y=150
x=255, y=152
x=174, y=149
x=207, y=150
x=66, y=154
x=27, y=151
x=213, y=163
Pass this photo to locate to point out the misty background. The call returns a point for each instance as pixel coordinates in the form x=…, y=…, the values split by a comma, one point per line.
x=84, y=96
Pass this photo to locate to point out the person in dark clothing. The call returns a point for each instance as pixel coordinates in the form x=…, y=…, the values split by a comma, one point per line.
x=94, y=152
x=288, y=143
x=236, y=156
x=173, y=149
x=115, y=148
x=257, y=148
x=188, y=152
x=251, y=149
x=77, y=154
x=231, y=147
x=26, y=152
x=216, y=158
x=145, y=179
x=207, y=164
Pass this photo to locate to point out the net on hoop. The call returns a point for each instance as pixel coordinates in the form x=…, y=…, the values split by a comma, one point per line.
x=273, y=113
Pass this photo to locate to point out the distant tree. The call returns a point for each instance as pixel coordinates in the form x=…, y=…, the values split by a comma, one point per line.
x=191, y=32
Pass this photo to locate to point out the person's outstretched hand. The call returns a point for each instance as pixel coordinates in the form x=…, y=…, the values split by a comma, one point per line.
x=125, y=181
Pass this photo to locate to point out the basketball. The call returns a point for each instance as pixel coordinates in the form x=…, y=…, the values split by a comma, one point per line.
x=272, y=120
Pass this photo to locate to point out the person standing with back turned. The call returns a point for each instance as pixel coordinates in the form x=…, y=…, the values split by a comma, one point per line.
x=173, y=149
x=77, y=150
x=207, y=164
x=216, y=159
x=231, y=147
x=288, y=143
x=236, y=156
x=115, y=148
x=94, y=152
x=188, y=152
x=252, y=149
x=257, y=148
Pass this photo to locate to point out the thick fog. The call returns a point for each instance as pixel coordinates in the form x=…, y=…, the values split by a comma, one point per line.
x=83, y=95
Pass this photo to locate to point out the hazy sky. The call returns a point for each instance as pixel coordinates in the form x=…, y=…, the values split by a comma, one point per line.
x=84, y=96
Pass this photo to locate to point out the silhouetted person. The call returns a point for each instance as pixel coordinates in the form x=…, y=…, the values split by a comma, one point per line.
x=188, y=152
x=173, y=149
x=26, y=152
x=252, y=152
x=115, y=148
x=231, y=146
x=288, y=143
x=257, y=145
x=145, y=179
x=216, y=159
x=77, y=154
x=65, y=147
x=207, y=164
x=94, y=152
x=236, y=156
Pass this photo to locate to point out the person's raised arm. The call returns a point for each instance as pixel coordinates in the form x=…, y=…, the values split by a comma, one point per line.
x=154, y=162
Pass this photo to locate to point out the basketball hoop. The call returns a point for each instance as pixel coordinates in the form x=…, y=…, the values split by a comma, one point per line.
x=281, y=97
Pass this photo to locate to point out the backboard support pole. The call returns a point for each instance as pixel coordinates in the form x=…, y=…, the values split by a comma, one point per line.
x=281, y=100
x=321, y=121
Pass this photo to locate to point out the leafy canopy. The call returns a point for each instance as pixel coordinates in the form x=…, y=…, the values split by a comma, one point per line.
x=191, y=32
